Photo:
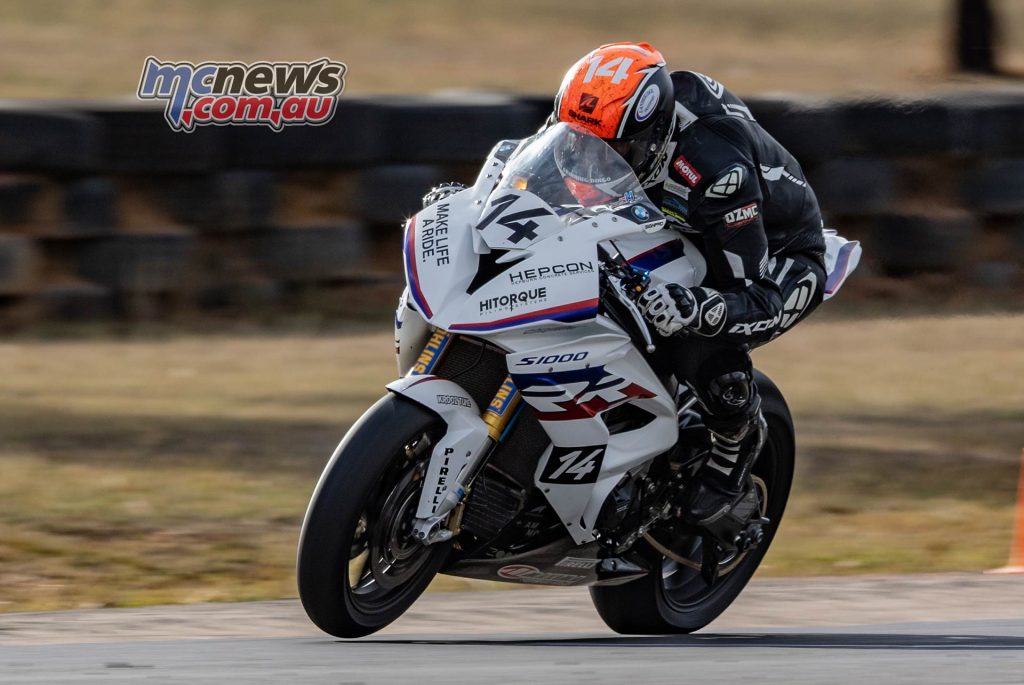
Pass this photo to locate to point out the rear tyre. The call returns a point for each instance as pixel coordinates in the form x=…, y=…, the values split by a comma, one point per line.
x=675, y=598
x=358, y=567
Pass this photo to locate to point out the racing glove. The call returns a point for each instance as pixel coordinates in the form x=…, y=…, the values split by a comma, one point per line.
x=670, y=308
x=441, y=191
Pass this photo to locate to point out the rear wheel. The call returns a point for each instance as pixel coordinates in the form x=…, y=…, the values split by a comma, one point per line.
x=358, y=566
x=675, y=598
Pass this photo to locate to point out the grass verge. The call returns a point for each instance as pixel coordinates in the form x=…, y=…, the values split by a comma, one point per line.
x=95, y=48
x=143, y=471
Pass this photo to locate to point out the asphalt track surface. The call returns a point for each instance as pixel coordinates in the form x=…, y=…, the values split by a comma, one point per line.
x=907, y=629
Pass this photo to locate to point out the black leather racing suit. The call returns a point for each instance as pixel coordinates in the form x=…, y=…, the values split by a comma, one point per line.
x=743, y=199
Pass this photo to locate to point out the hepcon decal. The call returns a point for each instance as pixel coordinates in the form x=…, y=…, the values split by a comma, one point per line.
x=520, y=223
x=573, y=465
x=741, y=217
x=541, y=273
x=576, y=393
x=647, y=103
x=687, y=171
x=728, y=183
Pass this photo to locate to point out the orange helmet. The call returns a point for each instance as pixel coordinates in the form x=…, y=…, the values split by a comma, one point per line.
x=622, y=93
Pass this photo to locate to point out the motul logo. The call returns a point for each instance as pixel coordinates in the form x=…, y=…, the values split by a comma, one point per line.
x=686, y=170
x=742, y=216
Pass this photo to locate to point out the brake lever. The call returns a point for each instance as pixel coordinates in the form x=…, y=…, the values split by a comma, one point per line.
x=629, y=283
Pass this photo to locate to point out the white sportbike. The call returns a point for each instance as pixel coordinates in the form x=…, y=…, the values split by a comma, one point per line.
x=533, y=436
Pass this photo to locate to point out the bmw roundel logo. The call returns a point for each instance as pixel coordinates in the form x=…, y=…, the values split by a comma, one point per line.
x=641, y=213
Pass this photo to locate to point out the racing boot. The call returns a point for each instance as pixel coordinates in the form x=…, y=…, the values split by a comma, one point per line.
x=722, y=501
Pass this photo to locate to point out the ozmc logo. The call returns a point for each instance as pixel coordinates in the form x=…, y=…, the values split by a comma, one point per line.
x=263, y=94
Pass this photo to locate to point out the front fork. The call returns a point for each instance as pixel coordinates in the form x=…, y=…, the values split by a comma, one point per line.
x=497, y=416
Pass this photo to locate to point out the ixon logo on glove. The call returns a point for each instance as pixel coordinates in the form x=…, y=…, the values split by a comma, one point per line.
x=269, y=94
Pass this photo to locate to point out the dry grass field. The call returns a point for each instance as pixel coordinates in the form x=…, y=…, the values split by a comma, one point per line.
x=177, y=468
x=95, y=48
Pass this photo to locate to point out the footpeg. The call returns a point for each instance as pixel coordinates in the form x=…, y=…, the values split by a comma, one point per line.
x=732, y=522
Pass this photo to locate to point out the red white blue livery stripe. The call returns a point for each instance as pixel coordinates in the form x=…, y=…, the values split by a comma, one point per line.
x=411, y=275
x=567, y=313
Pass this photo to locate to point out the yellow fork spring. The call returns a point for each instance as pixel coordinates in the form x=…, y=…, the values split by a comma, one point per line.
x=501, y=409
x=432, y=353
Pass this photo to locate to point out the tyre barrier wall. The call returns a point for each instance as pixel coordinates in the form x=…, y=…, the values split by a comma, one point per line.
x=107, y=213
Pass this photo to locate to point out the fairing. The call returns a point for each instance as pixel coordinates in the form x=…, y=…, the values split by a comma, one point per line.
x=514, y=259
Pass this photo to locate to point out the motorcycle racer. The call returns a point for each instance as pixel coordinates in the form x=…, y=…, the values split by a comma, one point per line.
x=743, y=199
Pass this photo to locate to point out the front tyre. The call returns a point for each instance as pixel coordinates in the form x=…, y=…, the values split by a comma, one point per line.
x=674, y=598
x=358, y=567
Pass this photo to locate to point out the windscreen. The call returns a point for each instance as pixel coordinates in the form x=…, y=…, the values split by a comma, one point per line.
x=574, y=171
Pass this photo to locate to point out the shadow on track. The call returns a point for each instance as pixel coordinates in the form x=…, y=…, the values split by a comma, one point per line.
x=757, y=640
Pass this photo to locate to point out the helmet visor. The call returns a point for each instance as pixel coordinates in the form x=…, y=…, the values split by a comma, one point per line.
x=641, y=149
x=574, y=172
x=592, y=171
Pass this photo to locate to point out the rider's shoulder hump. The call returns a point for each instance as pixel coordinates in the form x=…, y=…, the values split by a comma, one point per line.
x=704, y=96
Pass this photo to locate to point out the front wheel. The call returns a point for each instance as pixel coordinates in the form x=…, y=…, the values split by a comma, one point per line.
x=674, y=598
x=358, y=566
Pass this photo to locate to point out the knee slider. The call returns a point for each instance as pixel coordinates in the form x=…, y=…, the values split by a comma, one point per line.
x=732, y=392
